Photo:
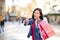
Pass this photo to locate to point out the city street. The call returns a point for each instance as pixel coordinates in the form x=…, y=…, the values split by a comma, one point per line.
x=16, y=31
x=15, y=13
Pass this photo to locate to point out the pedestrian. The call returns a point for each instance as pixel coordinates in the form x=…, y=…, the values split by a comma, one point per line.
x=40, y=29
x=1, y=24
x=37, y=16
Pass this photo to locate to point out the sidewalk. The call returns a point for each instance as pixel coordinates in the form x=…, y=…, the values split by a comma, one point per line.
x=57, y=31
x=19, y=32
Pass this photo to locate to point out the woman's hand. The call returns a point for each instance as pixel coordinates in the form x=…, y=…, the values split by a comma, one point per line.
x=27, y=20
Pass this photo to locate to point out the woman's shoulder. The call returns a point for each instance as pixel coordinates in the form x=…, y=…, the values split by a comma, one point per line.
x=31, y=21
x=42, y=22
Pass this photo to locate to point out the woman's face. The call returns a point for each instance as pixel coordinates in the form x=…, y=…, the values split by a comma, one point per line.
x=36, y=14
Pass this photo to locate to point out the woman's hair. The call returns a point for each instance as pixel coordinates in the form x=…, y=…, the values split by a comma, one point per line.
x=40, y=11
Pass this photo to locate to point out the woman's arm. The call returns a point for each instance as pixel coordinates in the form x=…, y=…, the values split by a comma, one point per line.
x=30, y=33
x=28, y=22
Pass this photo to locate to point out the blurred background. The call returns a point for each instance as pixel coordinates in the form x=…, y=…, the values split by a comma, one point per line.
x=14, y=12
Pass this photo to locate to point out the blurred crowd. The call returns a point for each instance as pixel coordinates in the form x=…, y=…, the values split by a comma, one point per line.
x=10, y=19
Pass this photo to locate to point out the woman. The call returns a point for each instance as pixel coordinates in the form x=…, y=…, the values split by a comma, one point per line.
x=37, y=16
x=1, y=24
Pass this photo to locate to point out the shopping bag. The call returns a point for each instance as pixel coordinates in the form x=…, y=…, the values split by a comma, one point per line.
x=47, y=30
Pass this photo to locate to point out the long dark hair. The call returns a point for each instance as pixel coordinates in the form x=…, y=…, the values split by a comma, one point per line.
x=40, y=11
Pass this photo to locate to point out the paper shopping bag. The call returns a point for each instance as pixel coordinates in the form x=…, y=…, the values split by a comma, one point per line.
x=47, y=29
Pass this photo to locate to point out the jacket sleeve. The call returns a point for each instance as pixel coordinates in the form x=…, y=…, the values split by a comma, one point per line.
x=30, y=33
x=29, y=22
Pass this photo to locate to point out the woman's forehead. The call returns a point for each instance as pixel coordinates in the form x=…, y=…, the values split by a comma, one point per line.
x=37, y=11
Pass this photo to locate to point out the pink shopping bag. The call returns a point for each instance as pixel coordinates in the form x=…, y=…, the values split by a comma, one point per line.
x=46, y=29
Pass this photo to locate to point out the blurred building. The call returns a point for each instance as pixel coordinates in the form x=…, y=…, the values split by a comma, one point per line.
x=22, y=8
x=2, y=3
x=54, y=16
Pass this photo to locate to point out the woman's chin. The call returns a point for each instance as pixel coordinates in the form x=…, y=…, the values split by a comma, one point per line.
x=35, y=18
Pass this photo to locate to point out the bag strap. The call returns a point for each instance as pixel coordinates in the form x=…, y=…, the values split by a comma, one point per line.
x=40, y=31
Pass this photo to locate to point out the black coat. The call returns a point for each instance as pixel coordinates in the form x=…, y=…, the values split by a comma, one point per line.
x=2, y=23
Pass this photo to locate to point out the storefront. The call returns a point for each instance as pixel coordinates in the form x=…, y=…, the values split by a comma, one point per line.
x=53, y=18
